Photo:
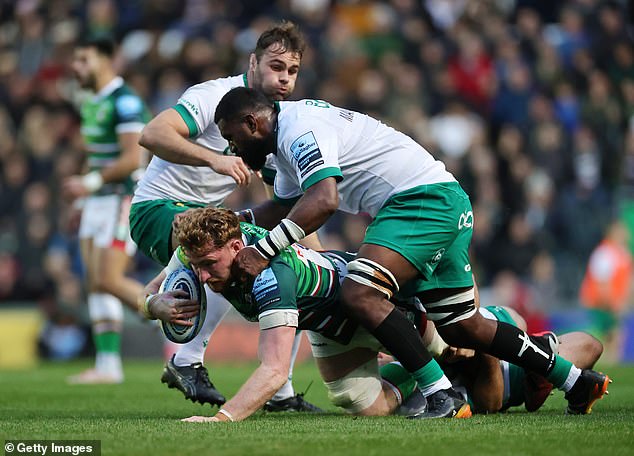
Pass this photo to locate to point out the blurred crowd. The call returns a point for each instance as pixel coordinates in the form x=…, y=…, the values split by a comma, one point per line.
x=529, y=103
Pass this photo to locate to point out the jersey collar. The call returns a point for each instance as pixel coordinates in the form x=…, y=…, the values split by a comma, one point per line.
x=110, y=87
x=246, y=80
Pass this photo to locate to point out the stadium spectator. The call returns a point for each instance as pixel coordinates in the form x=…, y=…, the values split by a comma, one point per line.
x=606, y=289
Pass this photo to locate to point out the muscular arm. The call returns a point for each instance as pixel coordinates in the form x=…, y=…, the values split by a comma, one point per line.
x=274, y=352
x=167, y=137
x=316, y=206
x=310, y=212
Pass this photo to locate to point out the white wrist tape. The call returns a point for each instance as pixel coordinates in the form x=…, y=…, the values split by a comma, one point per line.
x=279, y=238
x=225, y=413
x=92, y=181
x=145, y=309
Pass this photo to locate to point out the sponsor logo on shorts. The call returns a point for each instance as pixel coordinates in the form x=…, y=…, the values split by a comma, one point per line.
x=466, y=220
x=437, y=256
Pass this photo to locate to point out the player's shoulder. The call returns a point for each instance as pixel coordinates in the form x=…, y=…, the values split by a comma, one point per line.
x=217, y=87
x=126, y=100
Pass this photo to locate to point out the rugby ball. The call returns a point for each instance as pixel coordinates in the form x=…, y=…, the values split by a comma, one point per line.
x=185, y=279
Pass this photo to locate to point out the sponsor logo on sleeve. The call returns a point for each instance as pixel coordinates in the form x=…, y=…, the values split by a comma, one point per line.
x=266, y=289
x=306, y=151
x=129, y=106
x=191, y=106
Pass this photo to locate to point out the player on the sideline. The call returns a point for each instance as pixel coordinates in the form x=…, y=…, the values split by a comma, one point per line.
x=111, y=123
x=205, y=175
x=330, y=158
x=299, y=289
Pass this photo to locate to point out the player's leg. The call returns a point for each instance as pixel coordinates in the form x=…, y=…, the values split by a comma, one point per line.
x=364, y=291
x=106, y=314
x=351, y=375
x=534, y=353
x=400, y=246
x=580, y=348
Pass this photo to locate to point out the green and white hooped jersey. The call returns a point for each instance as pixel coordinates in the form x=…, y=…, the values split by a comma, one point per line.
x=114, y=110
x=300, y=285
x=370, y=160
x=196, y=184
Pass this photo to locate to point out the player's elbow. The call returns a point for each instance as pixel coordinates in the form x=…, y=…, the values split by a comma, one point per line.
x=147, y=138
x=328, y=203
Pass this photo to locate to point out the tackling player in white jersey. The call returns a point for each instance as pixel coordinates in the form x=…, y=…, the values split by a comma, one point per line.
x=191, y=169
x=418, y=243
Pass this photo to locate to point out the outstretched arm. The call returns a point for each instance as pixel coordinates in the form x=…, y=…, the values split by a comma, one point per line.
x=274, y=351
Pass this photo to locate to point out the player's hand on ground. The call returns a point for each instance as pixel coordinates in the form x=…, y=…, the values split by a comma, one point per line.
x=174, y=307
x=73, y=188
x=201, y=419
x=248, y=263
x=234, y=167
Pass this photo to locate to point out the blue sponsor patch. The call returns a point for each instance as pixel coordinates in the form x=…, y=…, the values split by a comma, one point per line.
x=129, y=106
x=266, y=289
x=306, y=151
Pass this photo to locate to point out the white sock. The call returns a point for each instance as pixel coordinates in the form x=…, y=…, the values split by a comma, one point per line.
x=441, y=384
x=194, y=350
x=109, y=363
x=573, y=375
x=287, y=389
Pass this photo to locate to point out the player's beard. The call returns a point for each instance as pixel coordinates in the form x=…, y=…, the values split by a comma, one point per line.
x=255, y=151
x=88, y=82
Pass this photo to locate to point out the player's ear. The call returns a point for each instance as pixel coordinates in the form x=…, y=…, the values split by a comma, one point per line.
x=236, y=245
x=251, y=122
x=253, y=61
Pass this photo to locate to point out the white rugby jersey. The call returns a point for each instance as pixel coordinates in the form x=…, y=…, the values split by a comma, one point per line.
x=199, y=184
x=370, y=160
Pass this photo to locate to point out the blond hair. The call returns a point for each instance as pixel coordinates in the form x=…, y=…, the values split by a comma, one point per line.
x=205, y=227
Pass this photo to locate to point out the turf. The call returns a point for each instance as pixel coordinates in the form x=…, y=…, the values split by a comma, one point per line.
x=141, y=417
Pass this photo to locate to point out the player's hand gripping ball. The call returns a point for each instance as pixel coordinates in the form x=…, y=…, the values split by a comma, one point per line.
x=185, y=279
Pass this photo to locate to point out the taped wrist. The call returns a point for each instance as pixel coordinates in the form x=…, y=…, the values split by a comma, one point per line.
x=145, y=308
x=280, y=237
x=92, y=181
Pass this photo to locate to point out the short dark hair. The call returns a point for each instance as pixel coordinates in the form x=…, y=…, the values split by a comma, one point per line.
x=105, y=45
x=287, y=34
x=238, y=101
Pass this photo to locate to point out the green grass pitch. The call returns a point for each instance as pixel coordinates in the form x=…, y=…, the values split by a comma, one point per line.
x=141, y=417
